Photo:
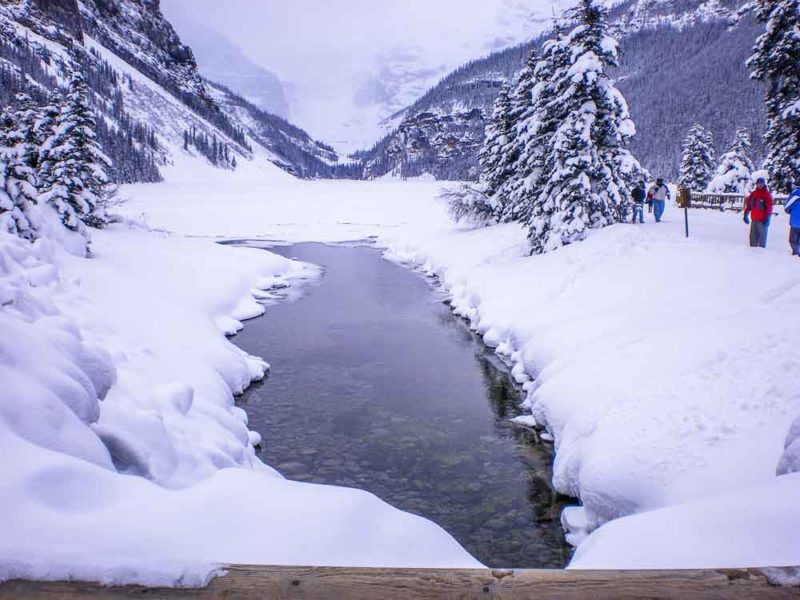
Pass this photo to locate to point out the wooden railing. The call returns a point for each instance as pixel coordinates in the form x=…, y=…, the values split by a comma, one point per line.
x=326, y=583
x=725, y=202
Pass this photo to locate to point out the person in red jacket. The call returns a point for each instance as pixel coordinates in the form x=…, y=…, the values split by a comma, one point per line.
x=758, y=209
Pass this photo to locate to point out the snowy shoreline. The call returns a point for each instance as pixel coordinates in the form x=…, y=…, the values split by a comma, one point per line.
x=628, y=440
x=643, y=343
x=134, y=369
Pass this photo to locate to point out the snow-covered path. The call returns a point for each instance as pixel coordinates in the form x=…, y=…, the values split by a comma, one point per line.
x=662, y=366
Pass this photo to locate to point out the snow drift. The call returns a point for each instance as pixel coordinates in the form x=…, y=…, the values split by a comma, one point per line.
x=131, y=463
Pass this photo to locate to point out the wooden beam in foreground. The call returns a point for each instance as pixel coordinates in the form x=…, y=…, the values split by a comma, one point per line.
x=262, y=582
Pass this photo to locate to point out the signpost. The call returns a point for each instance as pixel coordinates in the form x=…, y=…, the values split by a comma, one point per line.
x=684, y=201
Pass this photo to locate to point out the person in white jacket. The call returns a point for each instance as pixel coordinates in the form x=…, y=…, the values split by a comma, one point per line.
x=658, y=193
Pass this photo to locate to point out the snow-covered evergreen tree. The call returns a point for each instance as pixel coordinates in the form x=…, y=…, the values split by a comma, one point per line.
x=46, y=126
x=27, y=117
x=588, y=169
x=496, y=164
x=17, y=181
x=776, y=61
x=698, y=160
x=536, y=134
x=73, y=168
x=522, y=105
x=735, y=171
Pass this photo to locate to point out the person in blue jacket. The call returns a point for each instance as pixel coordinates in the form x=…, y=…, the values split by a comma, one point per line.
x=793, y=209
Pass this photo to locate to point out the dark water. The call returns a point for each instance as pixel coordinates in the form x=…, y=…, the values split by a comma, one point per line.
x=376, y=385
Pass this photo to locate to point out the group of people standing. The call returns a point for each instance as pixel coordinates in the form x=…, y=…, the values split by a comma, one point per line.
x=656, y=197
x=757, y=210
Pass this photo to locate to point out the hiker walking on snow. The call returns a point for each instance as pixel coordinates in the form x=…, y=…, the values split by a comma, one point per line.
x=793, y=209
x=659, y=194
x=758, y=209
x=638, y=195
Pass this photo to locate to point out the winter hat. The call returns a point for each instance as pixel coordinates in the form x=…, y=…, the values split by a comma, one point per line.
x=762, y=181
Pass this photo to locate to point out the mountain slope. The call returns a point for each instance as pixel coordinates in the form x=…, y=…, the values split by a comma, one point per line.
x=288, y=146
x=145, y=83
x=220, y=60
x=682, y=61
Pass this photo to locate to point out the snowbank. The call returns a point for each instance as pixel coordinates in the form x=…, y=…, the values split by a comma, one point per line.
x=753, y=527
x=661, y=366
x=130, y=461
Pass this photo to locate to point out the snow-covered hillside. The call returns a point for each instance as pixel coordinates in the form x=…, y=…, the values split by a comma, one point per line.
x=686, y=54
x=145, y=83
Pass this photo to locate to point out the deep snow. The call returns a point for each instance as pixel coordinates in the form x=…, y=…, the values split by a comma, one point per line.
x=663, y=366
x=130, y=461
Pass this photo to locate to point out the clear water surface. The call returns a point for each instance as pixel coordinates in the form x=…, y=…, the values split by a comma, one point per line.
x=375, y=384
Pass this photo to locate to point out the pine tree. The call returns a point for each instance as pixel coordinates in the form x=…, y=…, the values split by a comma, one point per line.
x=587, y=168
x=496, y=165
x=522, y=106
x=697, y=162
x=17, y=181
x=27, y=117
x=735, y=171
x=536, y=134
x=73, y=171
x=776, y=61
x=45, y=128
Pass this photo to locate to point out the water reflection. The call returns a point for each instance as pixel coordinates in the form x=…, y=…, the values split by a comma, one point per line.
x=376, y=385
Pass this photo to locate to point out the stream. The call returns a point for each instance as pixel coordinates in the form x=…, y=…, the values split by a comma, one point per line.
x=376, y=385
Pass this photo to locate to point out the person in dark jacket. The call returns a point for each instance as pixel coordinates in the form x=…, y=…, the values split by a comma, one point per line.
x=758, y=213
x=638, y=195
x=792, y=207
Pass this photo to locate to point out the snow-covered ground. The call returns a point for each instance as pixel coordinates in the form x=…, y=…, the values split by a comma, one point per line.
x=662, y=366
x=124, y=456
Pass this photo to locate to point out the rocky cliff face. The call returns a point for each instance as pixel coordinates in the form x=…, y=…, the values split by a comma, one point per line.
x=137, y=32
x=444, y=145
x=65, y=12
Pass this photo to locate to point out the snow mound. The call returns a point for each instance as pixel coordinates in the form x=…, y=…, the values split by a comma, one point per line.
x=131, y=463
x=755, y=527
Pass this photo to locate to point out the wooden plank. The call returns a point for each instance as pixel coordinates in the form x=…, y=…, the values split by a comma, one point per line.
x=313, y=583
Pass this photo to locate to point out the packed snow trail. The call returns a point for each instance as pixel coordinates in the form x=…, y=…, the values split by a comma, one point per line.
x=661, y=365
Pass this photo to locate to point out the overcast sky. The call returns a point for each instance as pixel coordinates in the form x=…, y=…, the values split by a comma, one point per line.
x=293, y=36
x=329, y=49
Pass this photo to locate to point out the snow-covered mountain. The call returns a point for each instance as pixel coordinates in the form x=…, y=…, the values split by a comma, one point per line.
x=349, y=65
x=682, y=62
x=157, y=108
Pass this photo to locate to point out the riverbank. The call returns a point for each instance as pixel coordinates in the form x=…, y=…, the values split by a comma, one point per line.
x=131, y=463
x=662, y=366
